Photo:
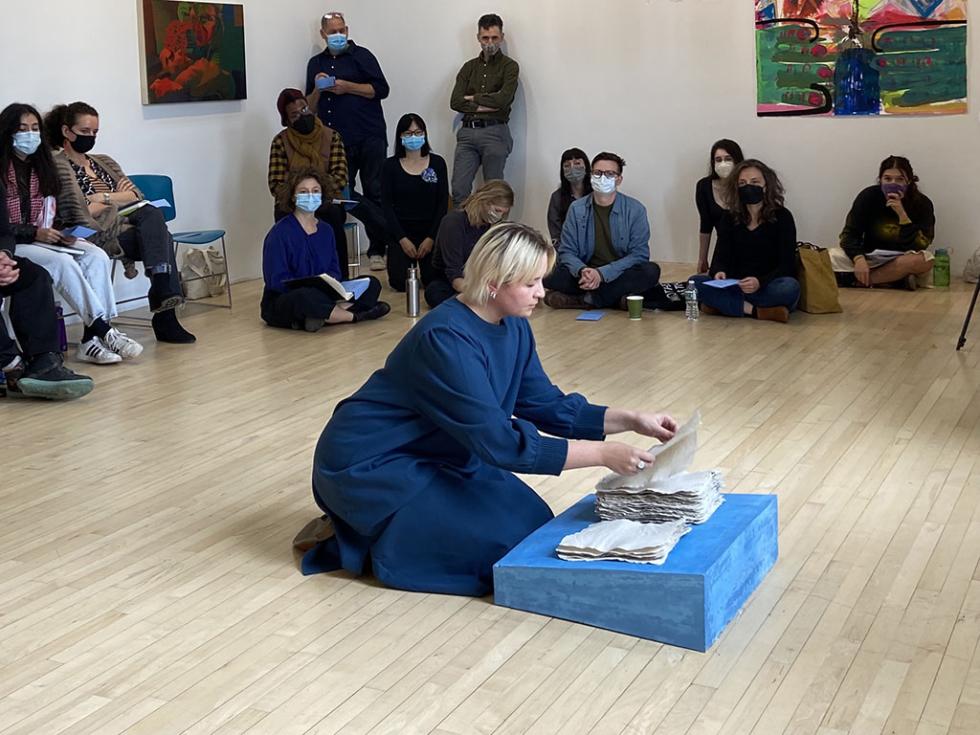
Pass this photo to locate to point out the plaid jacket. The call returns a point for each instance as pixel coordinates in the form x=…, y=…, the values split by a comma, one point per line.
x=279, y=169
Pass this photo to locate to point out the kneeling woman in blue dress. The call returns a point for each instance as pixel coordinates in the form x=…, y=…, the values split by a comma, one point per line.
x=415, y=470
x=301, y=246
x=756, y=247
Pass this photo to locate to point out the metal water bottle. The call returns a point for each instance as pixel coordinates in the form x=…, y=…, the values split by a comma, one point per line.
x=412, y=291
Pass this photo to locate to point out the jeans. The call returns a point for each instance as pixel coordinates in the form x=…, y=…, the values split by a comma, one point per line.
x=367, y=158
x=730, y=301
x=85, y=281
x=149, y=241
x=475, y=146
x=643, y=279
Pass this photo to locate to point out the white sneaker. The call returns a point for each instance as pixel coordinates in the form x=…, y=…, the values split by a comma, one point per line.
x=126, y=347
x=95, y=352
x=377, y=263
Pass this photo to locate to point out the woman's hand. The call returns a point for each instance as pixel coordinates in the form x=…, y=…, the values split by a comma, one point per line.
x=749, y=285
x=408, y=247
x=425, y=248
x=624, y=459
x=720, y=276
x=8, y=269
x=894, y=203
x=702, y=265
x=96, y=208
x=660, y=426
x=49, y=236
x=861, y=271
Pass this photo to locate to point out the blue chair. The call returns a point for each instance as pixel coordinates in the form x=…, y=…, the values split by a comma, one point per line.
x=158, y=186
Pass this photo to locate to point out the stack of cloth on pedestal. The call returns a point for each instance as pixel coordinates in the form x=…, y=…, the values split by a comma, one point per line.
x=644, y=515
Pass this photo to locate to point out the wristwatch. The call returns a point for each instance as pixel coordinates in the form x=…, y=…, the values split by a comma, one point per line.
x=106, y=199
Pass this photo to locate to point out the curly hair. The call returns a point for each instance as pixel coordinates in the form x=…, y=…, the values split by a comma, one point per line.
x=294, y=180
x=772, y=200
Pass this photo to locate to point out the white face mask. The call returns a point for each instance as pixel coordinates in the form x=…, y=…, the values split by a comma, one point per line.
x=603, y=185
x=724, y=168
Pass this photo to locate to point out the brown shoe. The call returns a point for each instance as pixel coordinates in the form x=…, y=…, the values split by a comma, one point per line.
x=559, y=300
x=772, y=313
x=709, y=310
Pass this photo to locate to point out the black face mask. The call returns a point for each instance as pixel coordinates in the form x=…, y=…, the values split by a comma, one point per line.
x=751, y=193
x=83, y=143
x=304, y=124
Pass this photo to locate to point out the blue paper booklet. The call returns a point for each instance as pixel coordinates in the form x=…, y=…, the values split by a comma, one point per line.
x=722, y=282
x=590, y=316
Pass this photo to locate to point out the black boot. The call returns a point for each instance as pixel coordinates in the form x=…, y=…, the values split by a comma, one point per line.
x=160, y=296
x=375, y=312
x=168, y=329
x=47, y=377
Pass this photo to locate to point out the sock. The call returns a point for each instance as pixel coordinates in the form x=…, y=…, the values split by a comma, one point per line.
x=99, y=328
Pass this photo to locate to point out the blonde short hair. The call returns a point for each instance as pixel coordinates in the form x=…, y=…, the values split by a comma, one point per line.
x=477, y=204
x=506, y=253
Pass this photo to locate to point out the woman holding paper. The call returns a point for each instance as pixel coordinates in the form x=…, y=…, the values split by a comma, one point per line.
x=300, y=246
x=893, y=218
x=33, y=194
x=127, y=226
x=415, y=470
x=753, y=271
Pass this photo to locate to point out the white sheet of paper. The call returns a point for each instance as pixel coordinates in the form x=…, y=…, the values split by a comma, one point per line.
x=670, y=458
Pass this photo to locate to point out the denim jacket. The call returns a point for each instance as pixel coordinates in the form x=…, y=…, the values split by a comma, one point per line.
x=630, y=234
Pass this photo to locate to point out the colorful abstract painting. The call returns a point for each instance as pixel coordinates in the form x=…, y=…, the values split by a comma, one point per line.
x=860, y=57
x=192, y=52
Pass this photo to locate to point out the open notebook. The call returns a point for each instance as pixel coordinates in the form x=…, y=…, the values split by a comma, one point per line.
x=340, y=290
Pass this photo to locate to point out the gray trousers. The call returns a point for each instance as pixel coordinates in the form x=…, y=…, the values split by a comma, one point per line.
x=475, y=146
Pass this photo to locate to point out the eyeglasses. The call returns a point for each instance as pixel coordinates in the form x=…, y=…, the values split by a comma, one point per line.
x=605, y=174
x=331, y=15
x=412, y=133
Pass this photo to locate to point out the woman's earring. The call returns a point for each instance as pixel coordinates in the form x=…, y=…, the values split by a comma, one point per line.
x=493, y=294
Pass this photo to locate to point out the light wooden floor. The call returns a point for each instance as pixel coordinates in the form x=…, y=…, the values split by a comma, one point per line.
x=147, y=583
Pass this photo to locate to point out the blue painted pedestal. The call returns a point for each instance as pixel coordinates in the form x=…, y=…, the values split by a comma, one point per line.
x=686, y=602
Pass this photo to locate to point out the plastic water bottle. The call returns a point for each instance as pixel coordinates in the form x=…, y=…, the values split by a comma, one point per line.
x=412, y=291
x=940, y=269
x=691, y=301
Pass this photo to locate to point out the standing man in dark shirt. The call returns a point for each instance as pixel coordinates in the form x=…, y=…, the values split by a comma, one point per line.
x=345, y=85
x=484, y=92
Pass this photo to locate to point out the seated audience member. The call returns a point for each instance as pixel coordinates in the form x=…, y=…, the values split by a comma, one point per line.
x=306, y=143
x=891, y=215
x=141, y=235
x=301, y=246
x=458, y=234
x=415, y=197
x=757, y=246
x=423, y=492
x=40, y=372
x=709, y=194
x=33, y=191
x=574, y=183
x=604, y=251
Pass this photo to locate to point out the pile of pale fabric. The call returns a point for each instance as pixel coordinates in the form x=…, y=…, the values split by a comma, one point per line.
x=644, y=515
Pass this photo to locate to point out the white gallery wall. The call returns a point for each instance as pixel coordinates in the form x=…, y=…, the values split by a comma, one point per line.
x=656, y=81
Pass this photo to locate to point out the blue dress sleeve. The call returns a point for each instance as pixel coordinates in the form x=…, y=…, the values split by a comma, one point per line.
x=275, y=263
x=543, y=404
x=452, y=389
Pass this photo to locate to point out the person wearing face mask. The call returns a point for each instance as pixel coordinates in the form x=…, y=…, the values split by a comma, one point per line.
x=303, y=143
x=37, y=191
x=483, y=94
x=604, y=250
x=709, y=194
x=345, y=86
x=416, y=471
x=756, y=247
x=458, y=234
x=574, y=177
x=415, y=197
x=141, y=235
x=892, y=215
x=301, y=246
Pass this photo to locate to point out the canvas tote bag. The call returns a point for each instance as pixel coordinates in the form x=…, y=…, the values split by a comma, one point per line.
x=818, y=287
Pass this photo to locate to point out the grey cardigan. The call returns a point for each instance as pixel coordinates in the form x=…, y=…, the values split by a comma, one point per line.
x=73, y=205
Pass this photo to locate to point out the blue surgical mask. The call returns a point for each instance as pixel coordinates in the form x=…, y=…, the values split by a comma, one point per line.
x=337, y=41
x=309, y=202
x=413, y=142
x=27, y=141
